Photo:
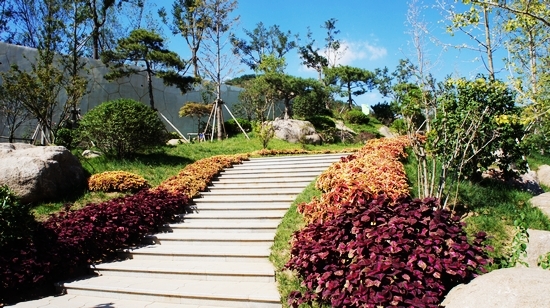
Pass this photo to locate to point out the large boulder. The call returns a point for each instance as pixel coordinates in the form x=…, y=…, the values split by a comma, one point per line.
x=503, y=288
x=295, y=131
x=37, y=173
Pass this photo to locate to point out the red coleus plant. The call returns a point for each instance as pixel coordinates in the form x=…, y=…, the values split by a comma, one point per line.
x=372, y=254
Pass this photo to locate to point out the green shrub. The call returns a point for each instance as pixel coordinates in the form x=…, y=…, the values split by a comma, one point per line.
x=123, y=127
x=66, y=137
x=231, y=127
x=16, y=220
x=321, y=122
x=357, y=117
x=399, y=126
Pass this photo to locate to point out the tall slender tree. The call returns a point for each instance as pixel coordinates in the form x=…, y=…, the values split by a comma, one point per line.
x=215, y=64
x=190, y=18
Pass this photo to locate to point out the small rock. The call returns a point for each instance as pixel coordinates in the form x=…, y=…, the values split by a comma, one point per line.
x=176, y=141
x=90, y=154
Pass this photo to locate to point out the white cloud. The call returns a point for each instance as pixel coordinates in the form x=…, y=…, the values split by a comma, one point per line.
x=358, y=51
x=353, y=54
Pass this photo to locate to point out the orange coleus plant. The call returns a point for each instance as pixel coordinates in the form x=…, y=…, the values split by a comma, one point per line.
x=373, y=170
x=195, y=177
x=116, y=181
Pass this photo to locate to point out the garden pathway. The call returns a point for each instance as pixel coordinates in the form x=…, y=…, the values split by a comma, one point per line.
x=217, y=257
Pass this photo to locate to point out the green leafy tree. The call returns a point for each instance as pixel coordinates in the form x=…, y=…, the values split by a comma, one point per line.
x=122, y=128
x=314, y=58
x=476, y=24
x=258, y=99
x=12, y=110
x=194, y=109
x=147, y=47
x=477, y=125
x=384, y=112
x=312, y=101
x=263, y=42
x=350, y=81
x=190, y=18
x=97, y=13
x=38, y=89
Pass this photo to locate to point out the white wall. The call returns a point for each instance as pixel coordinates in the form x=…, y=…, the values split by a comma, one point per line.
x=168, y=100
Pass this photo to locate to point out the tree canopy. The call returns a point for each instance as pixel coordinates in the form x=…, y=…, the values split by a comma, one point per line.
x=147, y=48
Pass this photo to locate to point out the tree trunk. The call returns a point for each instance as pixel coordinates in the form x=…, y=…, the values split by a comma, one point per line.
x=150, y=85
x=489, y=46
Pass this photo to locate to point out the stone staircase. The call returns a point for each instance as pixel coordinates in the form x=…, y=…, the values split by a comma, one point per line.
x=217, y=257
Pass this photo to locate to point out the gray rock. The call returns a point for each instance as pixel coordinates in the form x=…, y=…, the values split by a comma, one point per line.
x=539, y=244
x=90, y=154
x=37, y=174
x=503, y=288
x=542, y=201
x=530, y=182
x=295, y=130
x=341, y=126
x=386, y=132
x=176, y=141
x=543, y=174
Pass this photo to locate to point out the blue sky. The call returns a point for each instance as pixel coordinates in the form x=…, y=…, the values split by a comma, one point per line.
x=374, y=32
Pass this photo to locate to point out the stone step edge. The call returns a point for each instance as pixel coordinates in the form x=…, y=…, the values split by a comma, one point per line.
x=63, y=288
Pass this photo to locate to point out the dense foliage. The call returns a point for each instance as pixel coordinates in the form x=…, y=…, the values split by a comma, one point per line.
x=116, y=181
x=477, y=126
x=355, y=116
x=16, y=220
x=380, y=252
x=122, y=127
x=374, y=169
x=231, y=127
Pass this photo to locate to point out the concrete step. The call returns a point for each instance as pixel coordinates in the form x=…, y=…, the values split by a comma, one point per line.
x=72, y=301
x=246, y=198
x=217, y=225
x=255, y=185
x=179, y=291
x=261, y=181
x=281, y=159
x=254, y=191
x=210, y=238
x=205, y=205
x=235, y=215
x=284, y=174
x=269, y=171
x=266, y=167
x=204, y=253
x=259, y=271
